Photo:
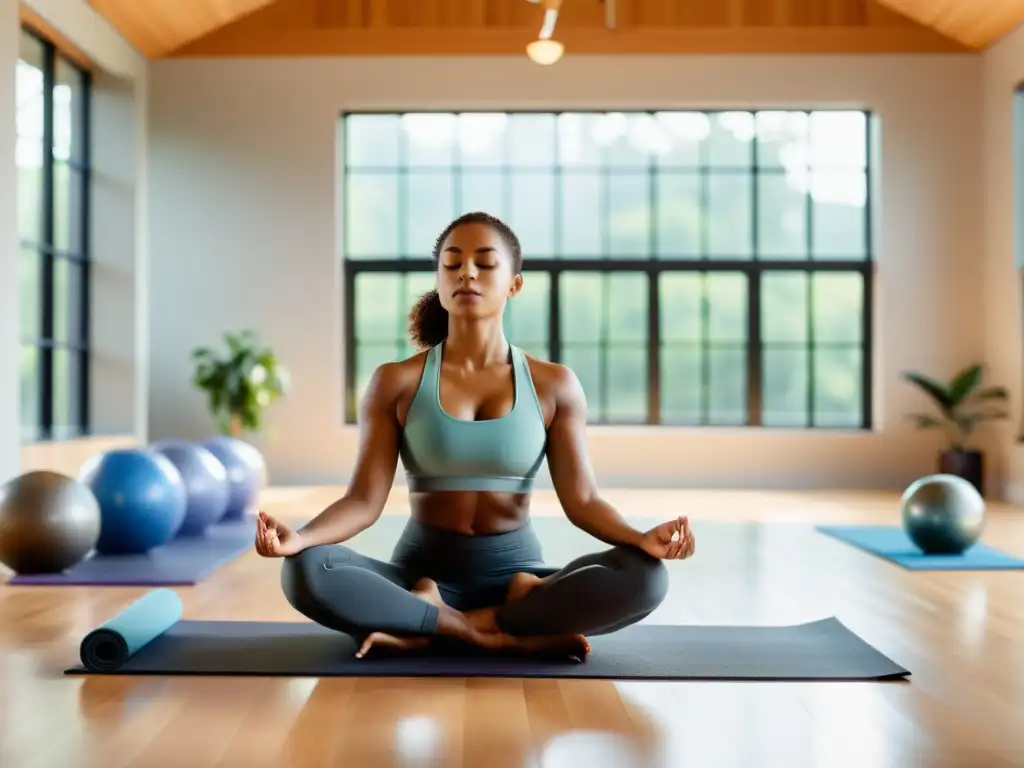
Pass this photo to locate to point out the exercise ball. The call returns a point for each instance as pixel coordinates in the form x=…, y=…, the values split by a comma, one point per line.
x=206, y=484
x=141, y=496
x=943, y=514
x=48, y=523
x=244, y=464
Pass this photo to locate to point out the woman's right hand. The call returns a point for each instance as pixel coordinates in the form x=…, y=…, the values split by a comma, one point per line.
x=275, y=539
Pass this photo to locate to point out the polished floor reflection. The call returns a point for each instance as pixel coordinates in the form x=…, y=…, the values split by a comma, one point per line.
x=759, y=561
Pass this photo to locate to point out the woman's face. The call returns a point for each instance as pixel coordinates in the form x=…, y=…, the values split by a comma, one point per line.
x=475, y=272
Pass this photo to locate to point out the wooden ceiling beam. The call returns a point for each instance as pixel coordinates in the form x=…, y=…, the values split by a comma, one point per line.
x=503, y=41
x=975, y=23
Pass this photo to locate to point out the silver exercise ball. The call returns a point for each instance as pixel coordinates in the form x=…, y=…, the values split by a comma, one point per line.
x=48, y=523
x=943, y=514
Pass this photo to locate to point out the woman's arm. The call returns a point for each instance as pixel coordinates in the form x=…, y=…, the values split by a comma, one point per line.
x=375, y=468
x=571, y=471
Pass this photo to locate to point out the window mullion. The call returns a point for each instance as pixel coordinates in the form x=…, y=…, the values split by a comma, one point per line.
x=46, y=384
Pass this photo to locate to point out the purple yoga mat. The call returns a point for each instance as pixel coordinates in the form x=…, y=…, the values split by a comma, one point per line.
x=182, y=562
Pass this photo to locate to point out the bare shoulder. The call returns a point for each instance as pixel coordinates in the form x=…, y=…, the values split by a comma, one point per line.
x=556, y=383
x=391, y=382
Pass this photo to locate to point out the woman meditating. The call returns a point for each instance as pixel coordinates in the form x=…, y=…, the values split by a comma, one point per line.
x=472, y=419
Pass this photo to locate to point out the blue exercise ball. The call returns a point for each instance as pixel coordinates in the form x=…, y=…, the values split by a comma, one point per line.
x=206, y=483
x=142, y=499
x=244, y=464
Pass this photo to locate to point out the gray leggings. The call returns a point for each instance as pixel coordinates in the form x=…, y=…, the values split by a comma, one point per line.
x=594, y=594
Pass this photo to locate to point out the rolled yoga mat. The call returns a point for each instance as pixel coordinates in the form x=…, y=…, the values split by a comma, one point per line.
x=892, y=544
x=113, y=644
x=154, y=642
x=181, y=562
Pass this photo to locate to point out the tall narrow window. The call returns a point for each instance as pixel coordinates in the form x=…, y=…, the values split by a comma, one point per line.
x=52, y=157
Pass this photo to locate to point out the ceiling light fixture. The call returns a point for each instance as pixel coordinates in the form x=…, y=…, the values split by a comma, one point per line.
x=544, y=50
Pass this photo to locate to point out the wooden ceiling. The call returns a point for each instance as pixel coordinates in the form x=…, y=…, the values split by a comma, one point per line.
x=157, y=27
x=975, y=23
x=163, y=28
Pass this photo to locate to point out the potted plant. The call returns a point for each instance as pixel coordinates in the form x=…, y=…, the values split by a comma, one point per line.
x=962, y=405
x=241, y=384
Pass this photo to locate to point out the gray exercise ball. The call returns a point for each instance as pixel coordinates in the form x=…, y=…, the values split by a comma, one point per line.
x=48, y=522
x=943, y=514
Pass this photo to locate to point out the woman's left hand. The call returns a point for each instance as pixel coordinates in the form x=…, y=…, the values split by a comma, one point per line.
x=672, y=540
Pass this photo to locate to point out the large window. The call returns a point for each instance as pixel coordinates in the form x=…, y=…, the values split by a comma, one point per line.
x=52, y=157
x=692, y=268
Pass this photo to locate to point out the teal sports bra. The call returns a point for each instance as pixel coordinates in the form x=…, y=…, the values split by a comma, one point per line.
x=442, y=453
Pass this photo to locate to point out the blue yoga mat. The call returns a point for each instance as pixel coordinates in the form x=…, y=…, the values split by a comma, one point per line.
x=108, y=647
x=892, y=544
x=148, y=638
x=182, y=562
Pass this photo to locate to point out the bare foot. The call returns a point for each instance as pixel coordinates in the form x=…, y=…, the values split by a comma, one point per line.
x=480, y=627
x=396, y=642
x=487, y=634
x=573, y=647
x=520, y=585
x=425, y=589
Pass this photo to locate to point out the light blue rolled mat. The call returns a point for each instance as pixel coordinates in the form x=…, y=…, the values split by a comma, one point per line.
x=110, y=645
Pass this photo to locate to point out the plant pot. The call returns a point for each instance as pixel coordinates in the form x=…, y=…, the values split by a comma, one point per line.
x=970, y=465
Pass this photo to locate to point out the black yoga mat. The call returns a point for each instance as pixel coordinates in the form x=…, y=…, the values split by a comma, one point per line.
x=818, y=650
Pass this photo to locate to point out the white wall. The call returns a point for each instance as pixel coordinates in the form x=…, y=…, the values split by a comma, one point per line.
x=244, y=233
x=80, y=23
x=119, y=334
x=10, y=315
x=117, y=372
x=1003, y=142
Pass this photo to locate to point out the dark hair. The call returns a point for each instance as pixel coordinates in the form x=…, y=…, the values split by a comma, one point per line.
x=428, y=320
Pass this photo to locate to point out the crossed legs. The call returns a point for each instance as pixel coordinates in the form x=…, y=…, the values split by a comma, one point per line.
x=536, y=609
x=592, y=595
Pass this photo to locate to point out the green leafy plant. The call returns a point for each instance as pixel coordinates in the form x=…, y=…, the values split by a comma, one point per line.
x=963, y=404
x=241, y=384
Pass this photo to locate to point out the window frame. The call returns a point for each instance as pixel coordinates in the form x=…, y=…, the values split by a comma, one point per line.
x=78, y=254
x=1018, y=217
x=752, y=268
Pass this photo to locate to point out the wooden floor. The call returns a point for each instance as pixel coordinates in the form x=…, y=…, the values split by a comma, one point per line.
x=961, y=635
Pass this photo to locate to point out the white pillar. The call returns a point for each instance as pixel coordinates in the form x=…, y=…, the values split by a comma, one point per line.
x=142, y=287
x=10, y=300
x=119, y=334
